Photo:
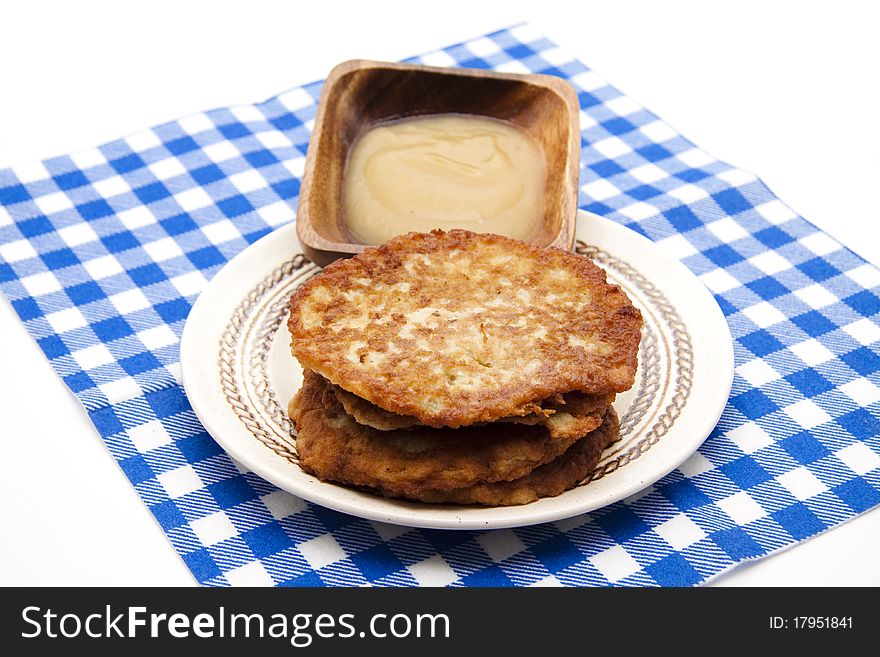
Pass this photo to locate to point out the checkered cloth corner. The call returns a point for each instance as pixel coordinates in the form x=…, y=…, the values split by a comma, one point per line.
x=103, y=251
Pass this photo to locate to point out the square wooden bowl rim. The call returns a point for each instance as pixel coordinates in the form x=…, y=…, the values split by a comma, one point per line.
x=565, y=91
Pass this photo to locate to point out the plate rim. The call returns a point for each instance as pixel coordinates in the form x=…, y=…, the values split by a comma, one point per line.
x=209, y=311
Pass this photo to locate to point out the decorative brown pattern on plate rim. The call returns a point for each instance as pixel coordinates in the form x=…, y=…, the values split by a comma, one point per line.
x=683, y=358
x=229, y=342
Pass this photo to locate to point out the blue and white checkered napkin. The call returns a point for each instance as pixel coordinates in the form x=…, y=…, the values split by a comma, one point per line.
x=103, y=251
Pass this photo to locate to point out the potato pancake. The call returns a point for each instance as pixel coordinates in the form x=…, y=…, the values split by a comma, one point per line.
x=457, y=328
x=405, y=463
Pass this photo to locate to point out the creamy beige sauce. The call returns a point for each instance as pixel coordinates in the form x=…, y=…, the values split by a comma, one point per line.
x=443, y=171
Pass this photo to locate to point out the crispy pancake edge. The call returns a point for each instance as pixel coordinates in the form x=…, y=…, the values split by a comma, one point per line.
x=548, y=480
x=332, y=446
x=563, y=415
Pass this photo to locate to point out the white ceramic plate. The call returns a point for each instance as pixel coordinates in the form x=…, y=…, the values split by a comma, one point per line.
x=239, y=376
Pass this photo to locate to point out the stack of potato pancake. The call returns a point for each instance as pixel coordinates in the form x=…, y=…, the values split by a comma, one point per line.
x=460, y=367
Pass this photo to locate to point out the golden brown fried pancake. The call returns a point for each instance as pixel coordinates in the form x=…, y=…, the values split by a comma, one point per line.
x=548, y=480
x=566, y=416
x=456, y=328
x=332, y=446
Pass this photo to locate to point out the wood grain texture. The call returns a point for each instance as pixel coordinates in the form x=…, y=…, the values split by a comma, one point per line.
x=359, y=94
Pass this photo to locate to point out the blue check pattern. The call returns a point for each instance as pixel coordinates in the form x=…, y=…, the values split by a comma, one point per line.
x=103, y=251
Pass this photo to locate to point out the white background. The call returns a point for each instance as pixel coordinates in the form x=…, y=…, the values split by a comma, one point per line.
x=787, y=90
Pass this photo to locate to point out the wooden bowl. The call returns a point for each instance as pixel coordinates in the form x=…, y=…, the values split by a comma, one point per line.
x=358, y=94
